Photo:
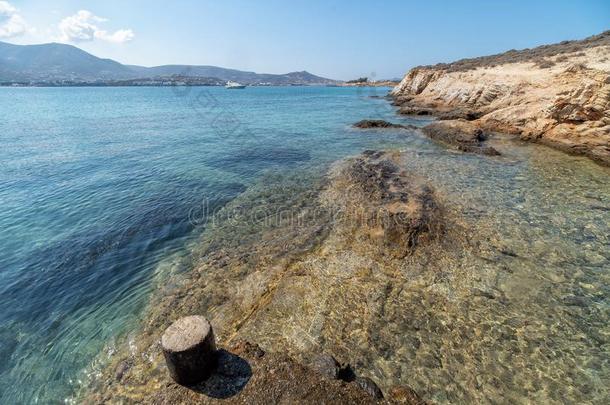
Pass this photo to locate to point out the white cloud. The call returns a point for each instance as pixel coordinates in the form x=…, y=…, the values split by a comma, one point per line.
x=11, y=23
x=118, y=36
x=83, y=26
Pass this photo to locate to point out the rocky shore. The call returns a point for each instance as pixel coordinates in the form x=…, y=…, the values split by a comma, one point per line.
x=372, y=266
x=368, y=285
x=558, y=95
x=266, y=289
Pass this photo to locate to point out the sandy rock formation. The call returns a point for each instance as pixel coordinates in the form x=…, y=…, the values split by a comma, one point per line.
x=557, y=94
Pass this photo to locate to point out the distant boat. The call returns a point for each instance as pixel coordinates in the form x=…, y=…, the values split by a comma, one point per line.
x=234, y=85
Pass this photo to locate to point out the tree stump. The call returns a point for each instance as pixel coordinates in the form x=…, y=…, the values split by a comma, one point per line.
x=189, y=349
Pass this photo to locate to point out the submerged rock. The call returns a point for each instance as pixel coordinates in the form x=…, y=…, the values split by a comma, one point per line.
x=326, y=365
x=369, y=387
x=460, y=134
x=121, y=369
x=380, y=124
x=385, y=204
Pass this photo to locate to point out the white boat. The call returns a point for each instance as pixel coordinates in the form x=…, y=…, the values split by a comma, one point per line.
x=234, y=85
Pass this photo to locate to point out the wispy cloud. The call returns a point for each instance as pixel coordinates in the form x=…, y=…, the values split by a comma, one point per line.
x=84, y=26
x=11, y=22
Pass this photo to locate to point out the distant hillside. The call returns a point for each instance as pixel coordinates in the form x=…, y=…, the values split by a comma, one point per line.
x=231, y=74
x=59, y=62
x=55, y=62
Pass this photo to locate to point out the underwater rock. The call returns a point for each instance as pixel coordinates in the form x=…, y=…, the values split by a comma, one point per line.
x=380, y=124
x=406, y=395
x=385, y=204
x=369, y=387
x=121, y=369
x=461, y=135
x=326, y=365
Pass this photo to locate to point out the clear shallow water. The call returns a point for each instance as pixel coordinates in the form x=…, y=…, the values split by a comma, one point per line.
x=97, y=186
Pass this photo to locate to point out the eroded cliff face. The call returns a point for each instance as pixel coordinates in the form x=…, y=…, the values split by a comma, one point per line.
x=562, y=100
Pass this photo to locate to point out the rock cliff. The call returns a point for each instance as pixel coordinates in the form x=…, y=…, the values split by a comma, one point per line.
x=558, y=95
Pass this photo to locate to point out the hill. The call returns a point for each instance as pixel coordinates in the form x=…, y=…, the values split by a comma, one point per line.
x=56, y=63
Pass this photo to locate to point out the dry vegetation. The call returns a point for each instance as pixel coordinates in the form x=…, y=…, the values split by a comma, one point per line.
x=539, y=55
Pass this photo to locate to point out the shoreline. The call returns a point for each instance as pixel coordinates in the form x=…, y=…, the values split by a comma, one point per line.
x=425, y=305
x=558, y=95
x=420, y=306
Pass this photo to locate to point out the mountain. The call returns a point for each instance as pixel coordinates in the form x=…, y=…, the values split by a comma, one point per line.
x=60, y=62
x=231, y=74
x=55, y=62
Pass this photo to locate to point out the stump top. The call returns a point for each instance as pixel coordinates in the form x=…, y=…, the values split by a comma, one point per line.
x=186, y=333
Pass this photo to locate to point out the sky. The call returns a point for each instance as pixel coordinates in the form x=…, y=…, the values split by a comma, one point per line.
x=335, y=39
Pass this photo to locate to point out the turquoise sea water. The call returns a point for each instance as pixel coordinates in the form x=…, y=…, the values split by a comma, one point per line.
x=99, y=188
x=96, y=189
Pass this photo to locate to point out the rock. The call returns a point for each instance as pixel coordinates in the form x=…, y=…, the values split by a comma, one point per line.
x=413, y=110
x=326, y=365
x=459, y=113
x=446, y=113
x=386, y=205
x=574, y=301
x=566, y=106
x=274, y=378
x=189, y=349
x=460, y=134
x=405, y=395
x=369, y=387
x=121, y=369
x=380, y=124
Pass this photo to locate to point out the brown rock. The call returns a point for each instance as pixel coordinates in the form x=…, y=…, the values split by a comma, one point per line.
x=274, y=378
x=405, y=395
x=326, y=365
x=380, y=124
x=369, y=387
x=386, y=204
x=460, y=134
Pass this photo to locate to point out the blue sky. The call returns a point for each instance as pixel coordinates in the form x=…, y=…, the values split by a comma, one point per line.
x=337, y=39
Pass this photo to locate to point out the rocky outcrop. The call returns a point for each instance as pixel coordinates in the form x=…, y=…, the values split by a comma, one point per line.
x=266, y=281
x=461, y=135
x=246, y=374
x=563, y=102
x=380, y=124
x=385, y=204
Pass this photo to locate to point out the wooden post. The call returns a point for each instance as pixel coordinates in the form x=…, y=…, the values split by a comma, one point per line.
x=189, y=349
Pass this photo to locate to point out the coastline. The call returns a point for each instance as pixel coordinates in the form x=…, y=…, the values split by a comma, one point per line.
x=428, y=306
x=558, y=95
